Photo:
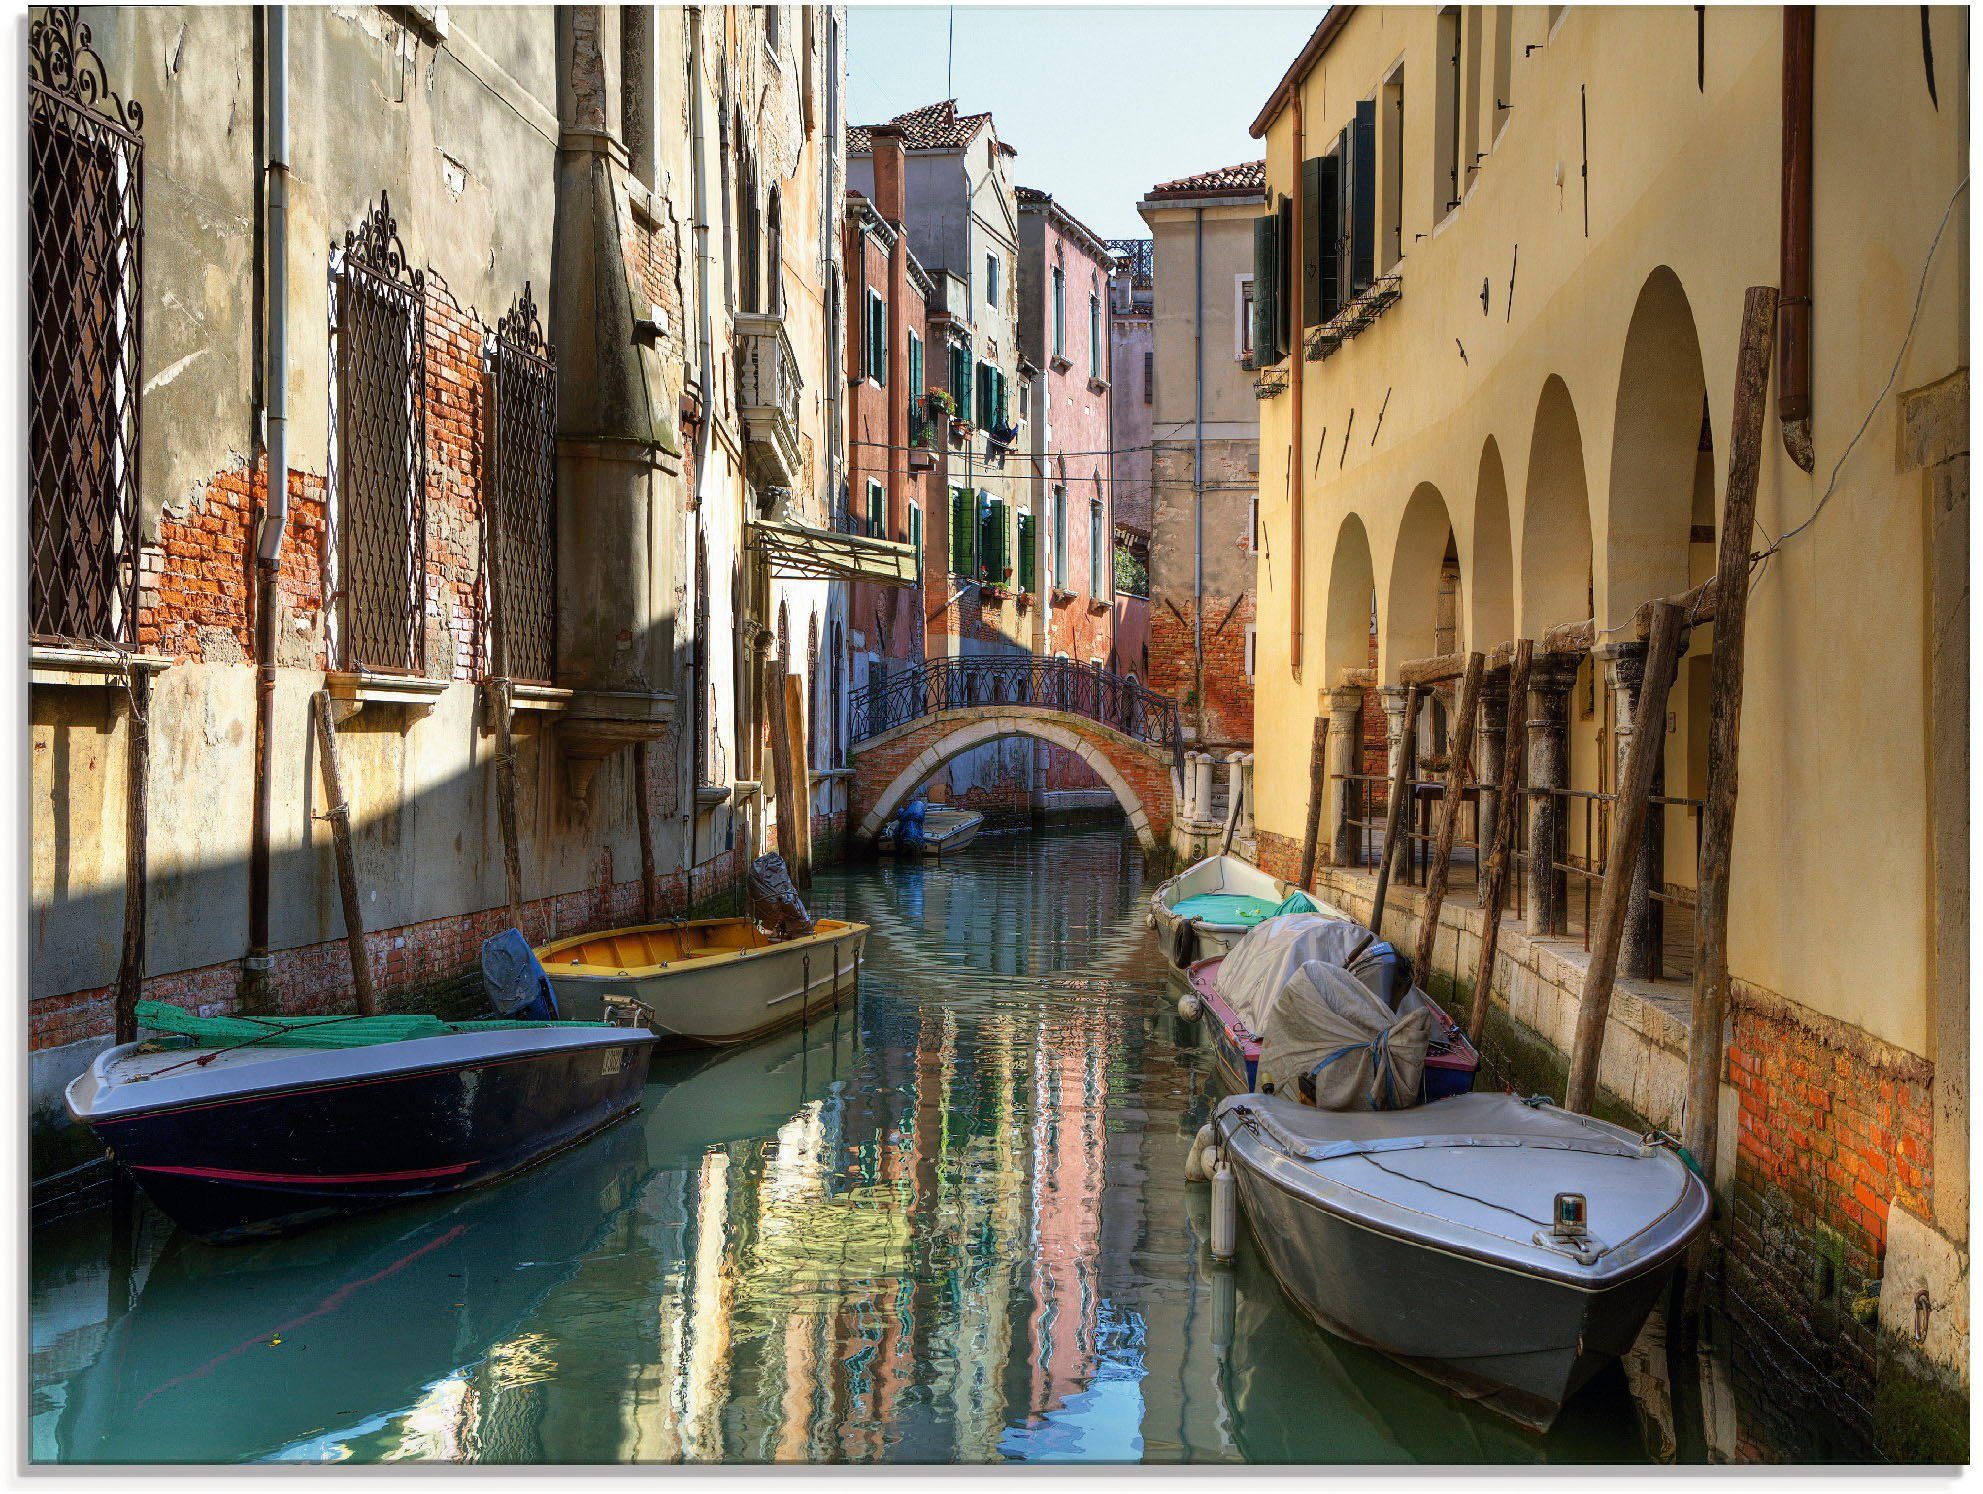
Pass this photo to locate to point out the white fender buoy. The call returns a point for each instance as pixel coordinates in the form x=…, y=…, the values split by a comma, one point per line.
x=1189, y=1007
x=1225, y=1212
x=1194, y=1162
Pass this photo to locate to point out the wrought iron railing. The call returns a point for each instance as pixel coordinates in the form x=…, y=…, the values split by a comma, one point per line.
x=1116, y=701
x=523, y=374
x=85, y=251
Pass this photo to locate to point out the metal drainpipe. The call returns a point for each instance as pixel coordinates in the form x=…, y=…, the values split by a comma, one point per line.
x=705, y=352
x=1198, y=468
x=1793, y=401
x=275, y=411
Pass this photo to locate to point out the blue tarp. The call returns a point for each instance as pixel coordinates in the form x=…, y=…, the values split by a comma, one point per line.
x=516, y=984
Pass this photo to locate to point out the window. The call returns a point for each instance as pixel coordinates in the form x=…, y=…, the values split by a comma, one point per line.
x=1059, y=312
x=960, y=379
x=1470, y=102
x=379, y=445
x=1253, y=523
x=1095, y=333
x=1098, y=552
x=1321, y=284
x=1150, y=373
x=994, y=546
x=991, y=398
x=522, y=535
x=991, y=280
x=877, y=368
x=877, y=515
x=916, y=533
x=1446, y=116
x=1028, y=561
x=915, y=366
x=1243, y=319
x=963, y=534
x=85, y=169
x=1249, y=651
x=1059, y=519
x=1391, y=146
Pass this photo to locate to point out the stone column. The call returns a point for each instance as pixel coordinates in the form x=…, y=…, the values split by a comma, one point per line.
x=1400, y=737
x=1345, y=738
x=1490, y=738
x=1644, y=917
x=1202, y=787
x=1551, y=678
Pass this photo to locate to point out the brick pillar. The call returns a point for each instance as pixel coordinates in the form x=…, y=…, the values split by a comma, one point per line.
x=1395, y=742
x=1644, y=917
x=1490, y=739
x=1551, y=678
x=1345, y=734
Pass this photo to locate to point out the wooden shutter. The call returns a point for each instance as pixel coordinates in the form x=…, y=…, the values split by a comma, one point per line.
x=963, y=532
x=1028, y=570
x=1345, y=171
x=1266, y=280
x=1363, y=197
x=1312, y=219
x=1287, y=308
x=991, y=541
x=1328, y=219
x=960, y=381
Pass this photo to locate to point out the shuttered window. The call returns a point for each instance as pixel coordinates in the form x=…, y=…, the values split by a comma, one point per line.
x=993, y=547
x=1094, y=336
x=877, y=508
x=963, y=533
x=915, y=366
x=1060, y=538
x=1266, y=282
x=1321, y=292
x=1363, y=197
x=960, y=380
x=1028, y=567
x=916, y=533
x=877, y=338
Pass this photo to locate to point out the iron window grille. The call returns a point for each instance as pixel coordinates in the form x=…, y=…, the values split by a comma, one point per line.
x=86, y=210
x=523, y=394
x=380, y=333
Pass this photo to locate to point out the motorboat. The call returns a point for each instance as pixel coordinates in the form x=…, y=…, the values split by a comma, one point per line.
x=1236, y=991
x=1209, y=906
x=946, y=830
x=254, y=1125
x=709, y=980
x=1505, y=1248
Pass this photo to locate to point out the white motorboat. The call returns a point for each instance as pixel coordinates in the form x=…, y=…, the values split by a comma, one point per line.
x=946, y=831
x=1503, y=1247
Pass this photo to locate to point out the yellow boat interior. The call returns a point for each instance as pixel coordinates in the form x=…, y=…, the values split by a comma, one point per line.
x=653, y=947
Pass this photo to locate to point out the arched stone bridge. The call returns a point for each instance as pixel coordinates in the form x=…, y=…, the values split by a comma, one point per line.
x=907, y=727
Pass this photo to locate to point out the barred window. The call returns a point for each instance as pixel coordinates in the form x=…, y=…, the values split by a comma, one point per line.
x=86, y=208
x=379, y=337
x=523, y=397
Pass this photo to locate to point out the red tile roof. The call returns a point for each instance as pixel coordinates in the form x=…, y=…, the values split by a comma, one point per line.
x=1248, y=176
x=933, y=127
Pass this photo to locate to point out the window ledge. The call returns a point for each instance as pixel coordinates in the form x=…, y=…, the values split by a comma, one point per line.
x=538, y=698
x=1097, y=384
x=712, y=794
x=363, y=687
x=1099, y=604
x=747, y=788
x=1061, y=365
x=831, y=775
x=88, y=668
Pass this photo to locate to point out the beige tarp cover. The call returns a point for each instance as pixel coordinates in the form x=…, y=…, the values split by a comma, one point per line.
x=1363, y=1055
x=799, y=553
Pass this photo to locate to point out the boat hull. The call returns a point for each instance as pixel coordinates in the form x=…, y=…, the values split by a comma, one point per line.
x=944, y=836
x=280, y=1159
x=730, y=999
x=1208, y=940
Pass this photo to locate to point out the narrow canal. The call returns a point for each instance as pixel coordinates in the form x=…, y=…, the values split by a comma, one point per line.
x=950, y=1225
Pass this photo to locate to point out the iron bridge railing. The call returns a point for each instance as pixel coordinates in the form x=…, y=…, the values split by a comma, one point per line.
x=1116, y=701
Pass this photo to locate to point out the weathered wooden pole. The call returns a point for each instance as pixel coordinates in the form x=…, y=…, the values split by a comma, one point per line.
x=646, y=832
x=499, y=698
x=1621, y=858
x=795, y=730
x=1394, y=811
x=1507, y=811
x=339, y=815
x=1738, y=520
x=1458, y=749
x=131, y=966
x=1318, y=783
x=785, y=793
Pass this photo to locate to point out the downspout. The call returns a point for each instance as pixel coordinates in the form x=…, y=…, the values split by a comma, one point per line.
x=1793, y=399
x=275, y=412
x=705, y=346
x=1296, y=279
x=1198, y=467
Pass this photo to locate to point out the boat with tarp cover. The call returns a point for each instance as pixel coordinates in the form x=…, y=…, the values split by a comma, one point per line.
x=253, y=1125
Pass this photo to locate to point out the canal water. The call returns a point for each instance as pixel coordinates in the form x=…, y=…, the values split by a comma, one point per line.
x=949, y=1224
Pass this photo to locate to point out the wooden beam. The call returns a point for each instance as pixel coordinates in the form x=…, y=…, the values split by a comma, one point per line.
x=131, y=965
x=499, y=699
x=1622, y=855
x=339, y=815
x=795, y=729
x=785, y=788
x=1458, y=749
x=646, y=830
x=1731, y=597
x=1508, y=809
x=1394, y=810
x=1318, y=783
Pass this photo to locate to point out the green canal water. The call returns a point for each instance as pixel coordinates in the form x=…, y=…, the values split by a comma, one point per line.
x=949, y=1225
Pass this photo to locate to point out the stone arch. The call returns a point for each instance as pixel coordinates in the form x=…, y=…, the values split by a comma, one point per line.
x=1556, y=519
x=1491, y=583
x=1425, y=553
x=960, y=736
x=1352, y=593
x=1655, y=444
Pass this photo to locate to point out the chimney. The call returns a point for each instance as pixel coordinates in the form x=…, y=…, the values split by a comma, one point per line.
x=890, y=193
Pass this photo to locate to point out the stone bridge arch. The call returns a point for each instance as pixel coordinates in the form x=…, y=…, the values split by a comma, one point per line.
x=889, y=768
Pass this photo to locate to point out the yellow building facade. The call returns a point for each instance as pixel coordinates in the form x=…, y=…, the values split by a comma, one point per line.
x=1514, y=368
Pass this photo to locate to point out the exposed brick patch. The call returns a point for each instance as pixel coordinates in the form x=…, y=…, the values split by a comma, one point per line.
x=1228, y=705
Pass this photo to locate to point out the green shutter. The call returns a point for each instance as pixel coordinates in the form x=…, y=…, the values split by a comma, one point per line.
x=1266, y=285
x=962, y=532
x=998, y=379
x=916, y=534
x=915, y=366
x=960, y=381
x=991, y=541
x=1028, y=571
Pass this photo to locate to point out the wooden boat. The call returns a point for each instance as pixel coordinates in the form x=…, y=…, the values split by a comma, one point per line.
x=253, y=1125
x=1505, y=1248
x=946, y=831
x=709, y=980
x=1208, y=907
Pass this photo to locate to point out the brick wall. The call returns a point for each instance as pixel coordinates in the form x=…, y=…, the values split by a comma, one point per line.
x=1228, y=705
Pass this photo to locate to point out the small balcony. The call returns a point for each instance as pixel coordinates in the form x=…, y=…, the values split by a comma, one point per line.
x=768, y=386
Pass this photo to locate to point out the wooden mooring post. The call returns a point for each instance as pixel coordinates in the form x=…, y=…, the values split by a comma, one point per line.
x=339, y=815
x=646, y=831
x=499, y=703
x=1318, y=783
x=1459, y=748
x=1738, y=520
x=795, y=729
x=1629, y=809
x=131, y=964
x=786, y=795
x=1507, y=812
x=1394, y=811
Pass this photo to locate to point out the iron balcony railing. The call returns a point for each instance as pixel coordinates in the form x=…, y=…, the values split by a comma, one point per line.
x=1116, y=701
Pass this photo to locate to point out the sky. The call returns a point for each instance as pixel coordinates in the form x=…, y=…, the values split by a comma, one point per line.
x=1101, y=102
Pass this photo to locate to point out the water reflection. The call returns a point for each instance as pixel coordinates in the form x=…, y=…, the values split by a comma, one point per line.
x=949, y=1225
